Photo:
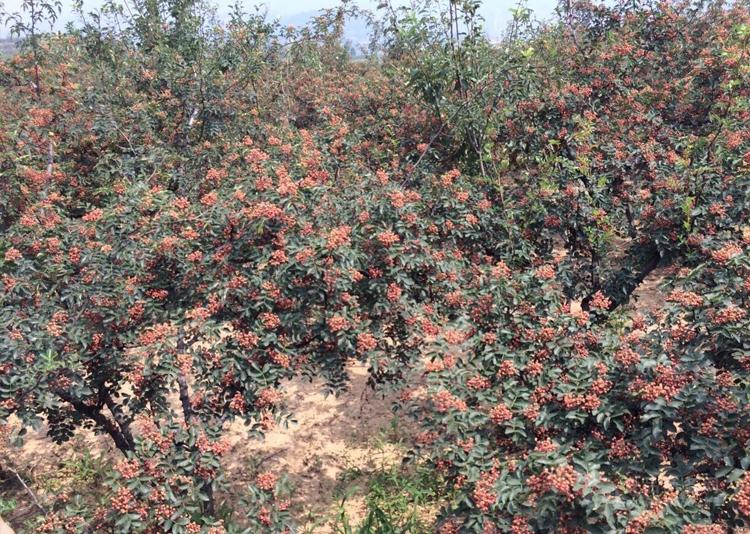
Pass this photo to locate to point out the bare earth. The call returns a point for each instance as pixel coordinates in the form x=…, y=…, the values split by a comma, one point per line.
x=337, y=438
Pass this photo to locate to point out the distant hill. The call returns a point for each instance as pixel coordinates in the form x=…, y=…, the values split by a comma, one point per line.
x=7, y=47
x=356, y=31
x=495, y=17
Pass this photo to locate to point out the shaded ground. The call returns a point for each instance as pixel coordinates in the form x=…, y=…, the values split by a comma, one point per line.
x=40, y=470
x=648, y=298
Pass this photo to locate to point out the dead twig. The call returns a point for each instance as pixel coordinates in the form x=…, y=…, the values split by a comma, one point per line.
x=28, y=490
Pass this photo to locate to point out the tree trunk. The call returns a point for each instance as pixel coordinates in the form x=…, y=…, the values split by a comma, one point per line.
x=640, y=261
x=122, y=437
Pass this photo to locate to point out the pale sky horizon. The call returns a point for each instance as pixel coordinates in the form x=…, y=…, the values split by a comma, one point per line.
x=495, y=13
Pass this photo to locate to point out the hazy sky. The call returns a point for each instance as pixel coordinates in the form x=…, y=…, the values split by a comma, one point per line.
x=496, y=13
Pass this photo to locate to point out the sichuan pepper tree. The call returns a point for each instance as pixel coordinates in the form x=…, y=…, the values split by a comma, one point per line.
x=607, y=123
x=173, y=274
x=541, y=418
x=163, y=308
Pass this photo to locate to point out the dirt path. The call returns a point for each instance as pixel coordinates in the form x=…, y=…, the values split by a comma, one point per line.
x=648, y=298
